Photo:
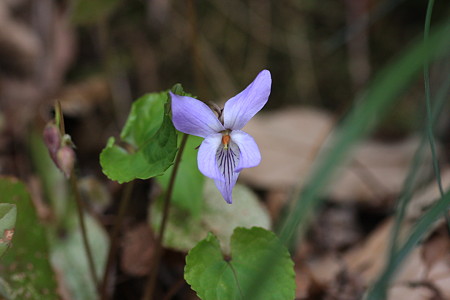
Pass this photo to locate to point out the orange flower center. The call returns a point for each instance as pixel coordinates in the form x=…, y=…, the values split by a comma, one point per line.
x=225, y=141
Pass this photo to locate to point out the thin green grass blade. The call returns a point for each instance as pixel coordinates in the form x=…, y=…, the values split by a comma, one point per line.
x=396, y=254
x=384, y=90
x=413, y=173
x=378, y=292
x=407, y=191
x=426, y=79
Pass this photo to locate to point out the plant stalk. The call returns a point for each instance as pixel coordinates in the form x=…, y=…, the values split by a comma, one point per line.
x=80, y=211
x=113, y=247
x=87, y=248
x=150, y=287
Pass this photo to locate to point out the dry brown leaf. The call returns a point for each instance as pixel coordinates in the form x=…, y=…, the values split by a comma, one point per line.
x=405, y=292
x=413, y=269
x=290, y=139
x=137, y=250
x=424, y=198
x=325, y=269
x=276, y=200
x=347, y=286
x=442, y=279
x=369, y=259
x=435, y=249
x=303, y=283
x=375, y=171
x=419, y=275
x=334, y=280
x=414, y=279
x=335, y=228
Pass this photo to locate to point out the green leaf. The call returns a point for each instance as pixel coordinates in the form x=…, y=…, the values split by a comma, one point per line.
x=25, y=267
x=188, y=189
x=160, y=151
x=86, y=12
x=185, y=230
x=187, y=193
x=145, y=118
x=178, y=89
x=122, y=166
x=152, y=140
x=8, y=213
x=215, y=278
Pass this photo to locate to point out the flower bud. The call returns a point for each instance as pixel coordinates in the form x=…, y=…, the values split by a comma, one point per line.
x=52, y=138
x=65, y=160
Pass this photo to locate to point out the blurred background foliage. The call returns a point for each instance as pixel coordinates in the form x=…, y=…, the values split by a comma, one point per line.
x=320, y=53
x=97, y=57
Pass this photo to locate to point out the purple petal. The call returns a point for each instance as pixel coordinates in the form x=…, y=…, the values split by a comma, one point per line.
x=227, y=160
x=207, y=157
x=242, y=107
x=194, y=117
x=226, y=189
x=249, y=151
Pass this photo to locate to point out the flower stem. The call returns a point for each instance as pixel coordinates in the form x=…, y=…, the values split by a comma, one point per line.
x=80, y=211
x=87, y=248
x=150, y=286
x=115, y=239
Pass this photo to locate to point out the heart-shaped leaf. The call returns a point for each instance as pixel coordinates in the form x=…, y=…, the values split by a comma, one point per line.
x=216, y=278
x=144, y=119
x=152, y=142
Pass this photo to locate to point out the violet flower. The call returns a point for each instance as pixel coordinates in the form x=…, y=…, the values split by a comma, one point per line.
x=226, y=149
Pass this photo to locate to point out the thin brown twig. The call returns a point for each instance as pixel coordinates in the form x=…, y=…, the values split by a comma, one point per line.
x=87, y=248
x=150, y=287
x=126, y=196
x=368, y=177
x=174, y=289
x=80, y=212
